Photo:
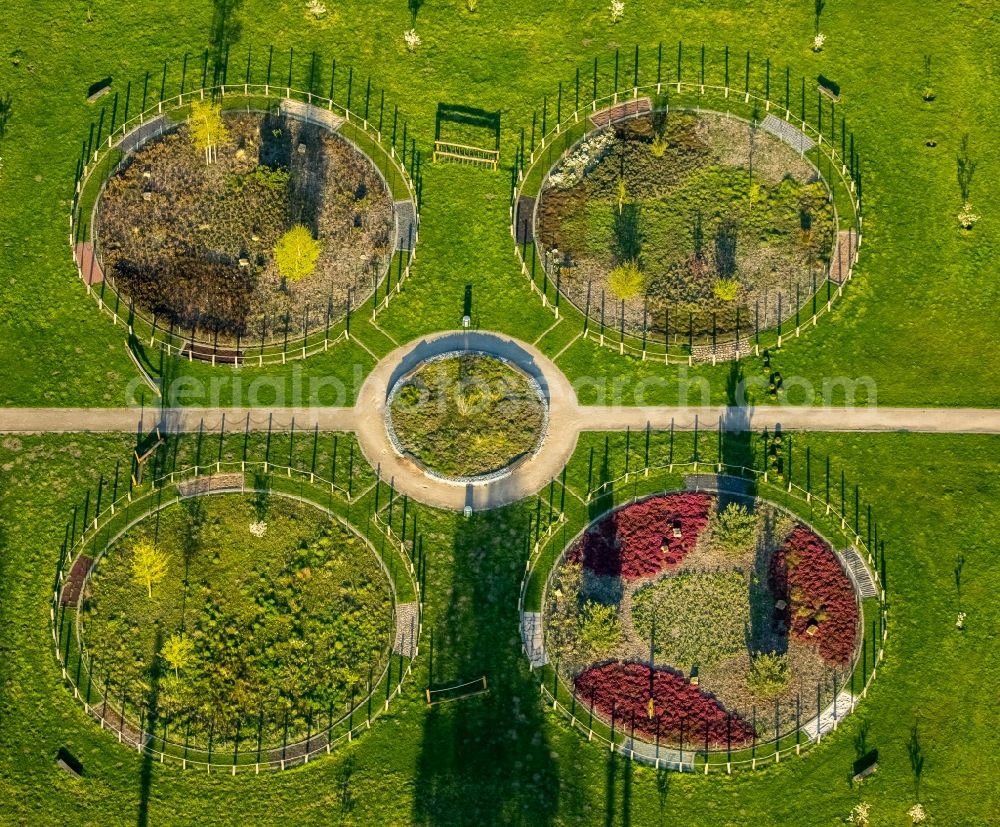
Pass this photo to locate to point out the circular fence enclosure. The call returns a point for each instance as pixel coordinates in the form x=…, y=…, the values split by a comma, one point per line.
x=234, y=620
x=706, y=628
x=179, y=236
x=656, y=270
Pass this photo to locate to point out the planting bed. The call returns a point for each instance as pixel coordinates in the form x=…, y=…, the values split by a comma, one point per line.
x=699, y=217
x=194, y=243
x=466, y=415
x=688, y=610
x=280, y=614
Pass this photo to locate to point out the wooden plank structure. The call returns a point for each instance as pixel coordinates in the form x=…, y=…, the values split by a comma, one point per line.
x=146, y=448
x=467, y=154
x=74, y=583
x=631, y=108
x=458, y=692
x=472, y=119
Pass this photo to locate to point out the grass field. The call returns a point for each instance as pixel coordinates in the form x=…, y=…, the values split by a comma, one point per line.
x=448, y=765
x=918, y=320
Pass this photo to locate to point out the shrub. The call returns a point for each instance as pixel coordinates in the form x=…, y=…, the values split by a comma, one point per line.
x=626, y=280
x=861, y=814
x=726, y=290
x=206, y=127
x=694, y=618
x=316, y=8
x=177, y=652
x=726, y=235
x=410, y=395
x=678, y=707
x=966, y=217
x=821, y=607
x=412, y=39
x=599, y=627
x=768, y=674
x=562, y=619
x=296, y=253
x=734, y=529
x=638, y=540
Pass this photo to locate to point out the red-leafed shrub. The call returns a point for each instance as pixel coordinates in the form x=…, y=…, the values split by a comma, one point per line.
x=808, y=577
x=677, y=705
x=638, y=540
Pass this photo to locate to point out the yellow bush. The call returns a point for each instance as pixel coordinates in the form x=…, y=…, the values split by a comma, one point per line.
x=626, y=281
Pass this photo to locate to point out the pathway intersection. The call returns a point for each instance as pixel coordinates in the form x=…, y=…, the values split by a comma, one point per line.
x=567, y=420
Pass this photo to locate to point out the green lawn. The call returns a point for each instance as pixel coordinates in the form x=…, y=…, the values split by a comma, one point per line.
x=918, y=319
x=501, y=758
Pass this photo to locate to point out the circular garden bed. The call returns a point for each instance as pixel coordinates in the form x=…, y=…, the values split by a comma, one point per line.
x=685, y=219
x=263, y=241
x=466, y=416
x=231, y=620
x=701, y=619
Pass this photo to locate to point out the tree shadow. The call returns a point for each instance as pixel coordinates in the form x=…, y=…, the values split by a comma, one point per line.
x=485, y=760
x=737, y=435
x=966, y=169
x=5, y=110
x=227, y=28
x=152, y=717
x=916, y=754
x=662, y=789
x=414, y=6
x=610, y=789
x=768, y=630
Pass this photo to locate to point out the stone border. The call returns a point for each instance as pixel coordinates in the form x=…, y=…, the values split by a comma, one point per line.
x=477, y=479
x=526, y=477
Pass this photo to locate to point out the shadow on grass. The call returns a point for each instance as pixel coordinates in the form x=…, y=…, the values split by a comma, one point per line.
x=227, y=28
x=152, y=717
x=485, y=760
x=737, y=431
x=5, y=110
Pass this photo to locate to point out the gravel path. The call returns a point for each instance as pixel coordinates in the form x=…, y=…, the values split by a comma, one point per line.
x=567, y=420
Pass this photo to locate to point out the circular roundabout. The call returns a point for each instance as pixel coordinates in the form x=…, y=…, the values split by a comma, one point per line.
x=467, y=420
x=218, y=623
x=702, y=626
x=467, y=416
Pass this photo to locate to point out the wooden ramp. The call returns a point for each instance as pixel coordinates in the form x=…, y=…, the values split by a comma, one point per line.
x=626, y=109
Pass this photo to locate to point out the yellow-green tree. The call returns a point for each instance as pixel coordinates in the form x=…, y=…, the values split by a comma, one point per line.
x=177, y=652
x=207, y=128
x=149, y=565
x=626, y=281
x=296, y=253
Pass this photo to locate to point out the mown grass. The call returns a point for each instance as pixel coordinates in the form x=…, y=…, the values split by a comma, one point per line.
x=918, y=318
x=500, y=758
